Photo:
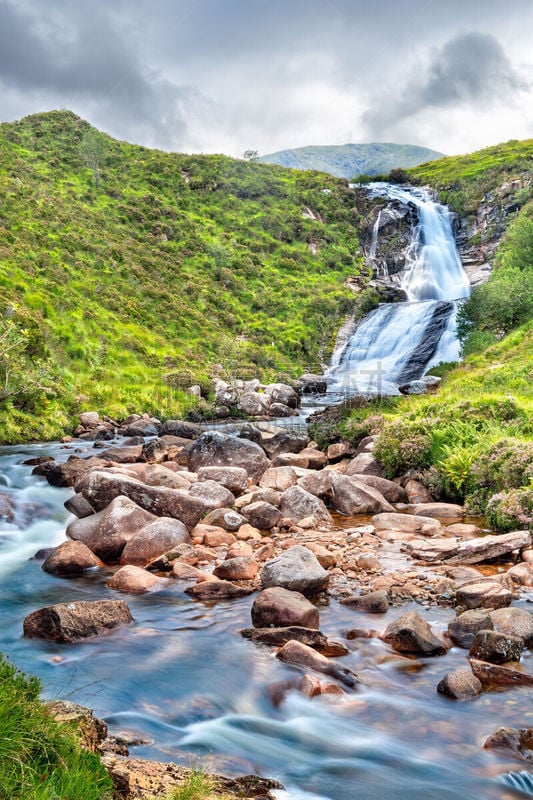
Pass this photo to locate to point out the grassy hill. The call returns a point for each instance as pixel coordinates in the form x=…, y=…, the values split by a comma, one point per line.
x=350, y=160
x=128, y=273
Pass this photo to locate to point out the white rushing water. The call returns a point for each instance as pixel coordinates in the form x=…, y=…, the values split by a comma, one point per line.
x=398, y=342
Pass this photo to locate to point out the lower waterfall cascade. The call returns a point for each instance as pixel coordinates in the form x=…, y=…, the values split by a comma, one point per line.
x=398, y=342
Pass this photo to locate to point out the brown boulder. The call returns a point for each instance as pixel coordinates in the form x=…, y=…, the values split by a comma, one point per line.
x=374, y=602
x=78, y=505
x=69, y=472
x=410, y=633
x=71, y=558
x=217, y=590
x=281, y=608
x=391, y=491
x=212, y=494
x=351, y=497
x=417, y=493
x=155, y=539
x=436, y=510
x=133, y=580
x=364, y=464
x=495, y=647
x=462, y=629
x=224, y=518
x=235, y=479
x=278, y=478
x=297, y=504
x=70, y=622
x=303, y=656
x=296, y=569
x=460, y=684
x=514, y=622
x=498, y=675
x=407, y=523
x=483, y=594
x=309, y=636
x=241, y=568
x=261, y=515
x=215, y=449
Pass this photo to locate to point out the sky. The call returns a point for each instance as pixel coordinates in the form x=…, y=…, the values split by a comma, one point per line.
x=232, y=75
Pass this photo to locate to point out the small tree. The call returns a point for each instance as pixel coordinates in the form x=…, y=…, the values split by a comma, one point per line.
x=93, y=150
x=250, y=155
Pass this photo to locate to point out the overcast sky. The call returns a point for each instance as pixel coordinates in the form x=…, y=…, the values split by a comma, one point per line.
x=228, y=75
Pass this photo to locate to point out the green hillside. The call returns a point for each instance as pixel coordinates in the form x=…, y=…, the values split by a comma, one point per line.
x=351, y=160
x=127, y=272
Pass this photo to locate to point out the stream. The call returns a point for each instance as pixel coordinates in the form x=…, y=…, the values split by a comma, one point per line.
x=183, y=681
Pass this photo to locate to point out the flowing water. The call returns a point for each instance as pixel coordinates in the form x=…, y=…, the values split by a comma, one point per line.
x=183, y=680
x=399, y=342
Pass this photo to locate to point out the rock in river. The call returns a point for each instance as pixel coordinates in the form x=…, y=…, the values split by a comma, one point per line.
x=70, y=622
x=296, y=569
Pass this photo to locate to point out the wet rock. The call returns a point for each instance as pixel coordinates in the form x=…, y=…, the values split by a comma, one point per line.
x=133, y=580
x=410, y=633
x=364, y=464
x=107, y=532
x=240, y=568
x=212, y=494
x=313, y=384
x=460, y=684
x=514, y=622
x=224, y=518
x=155, y=539
x=280, y=608
x=417, y=492
x=312, y=638
x=215, y=449
x=235, y=479
x=303, y=656
x=436, y=510
x=463, y=629
x=407, y=523
x=296, y=569
x=177, y=427
x=483, y=595
x=518, y=741
x=261, y=515
x=282, y=393
x=285, y=441
x=495, y=647
x=463, y=530
x=391, y=491
x=374, y=602
x=485, y=548
x=69, y=472
x=351, y=497
x=71, y=558
x=297, y=504
x=100, y=488
x=79, y=506
x=497, y=675
x=217, y=590
x=70, y=622
x=432, y=550
x=185, y=572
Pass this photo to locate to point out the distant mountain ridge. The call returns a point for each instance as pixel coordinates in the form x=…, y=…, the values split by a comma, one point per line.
x=350, y=160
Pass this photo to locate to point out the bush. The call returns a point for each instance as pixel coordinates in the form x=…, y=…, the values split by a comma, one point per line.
x=402, y=446
x=511, y=510
x=507, y=464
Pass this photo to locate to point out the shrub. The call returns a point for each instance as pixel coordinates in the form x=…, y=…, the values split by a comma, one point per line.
x=402, y=446
x=507, y=511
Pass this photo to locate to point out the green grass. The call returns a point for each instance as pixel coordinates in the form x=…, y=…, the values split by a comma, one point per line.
x=135, y=288
x=40, y=759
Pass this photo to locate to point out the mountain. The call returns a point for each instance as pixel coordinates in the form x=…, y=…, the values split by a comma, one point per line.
x=349, y=160
x=127, y=274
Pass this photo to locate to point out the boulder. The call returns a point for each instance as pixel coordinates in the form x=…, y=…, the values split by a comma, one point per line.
x=495, y=647
x=296, y=569
x=498, y=675
x=484, y=548
x=282, y=393
x=215, y=449
x=235, y=479
x=277, y=637
x=280, y=608
x=517, y=741
x=240, y=568
x=145, y=426
x=133, y=580
x=460, y=684
x=364, y=464
x=325, y=557
x=436, y=510
x=217, y=590
x=374, y=602
x=254, y=404
x=285, y=441
x=410, y=633
x=212, y=494
x=89, y=419
x=318, y=483
x=177, y=427
x=463, y=530
x=432, y=550
x=71, y=558
x=339, y=450
x=100, y=488
x=462, y=629
x=107, y=532
x=78, y=505
x=261, y=515
x=278, y=478
x=316, y=459
x=279, y=410
x=297, y=504
x=313, y=384
x=514, y=622
x=483, y=594
x=407, y=523
x=155, y=539
x=304, y=656
x=417, y=492
x=391, y=491
x=69, y=472
x=70, y=622
x=161, y=476
x=351, y=497
x=224, y=518
x=296, y=460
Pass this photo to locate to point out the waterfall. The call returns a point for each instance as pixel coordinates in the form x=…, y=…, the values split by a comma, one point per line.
x=399, y=342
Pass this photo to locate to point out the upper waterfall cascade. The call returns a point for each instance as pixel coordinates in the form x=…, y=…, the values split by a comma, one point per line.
x=399, y=342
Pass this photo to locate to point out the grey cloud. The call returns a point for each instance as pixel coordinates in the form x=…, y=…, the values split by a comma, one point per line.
x=471, y=68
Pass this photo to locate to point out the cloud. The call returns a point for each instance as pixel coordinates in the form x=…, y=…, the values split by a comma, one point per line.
x=471, y=69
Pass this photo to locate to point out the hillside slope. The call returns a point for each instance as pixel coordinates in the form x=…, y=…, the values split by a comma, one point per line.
x=125, y=272
x=350, y=160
